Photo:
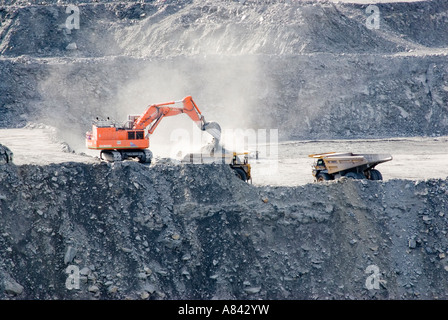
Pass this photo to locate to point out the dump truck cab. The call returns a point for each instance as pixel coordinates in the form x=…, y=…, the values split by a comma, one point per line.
x=240, y=165
x=320, y=171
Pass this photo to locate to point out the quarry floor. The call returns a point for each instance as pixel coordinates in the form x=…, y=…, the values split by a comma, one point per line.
x=283, y=164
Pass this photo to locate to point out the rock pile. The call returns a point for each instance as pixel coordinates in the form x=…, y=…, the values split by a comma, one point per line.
x=83, y=231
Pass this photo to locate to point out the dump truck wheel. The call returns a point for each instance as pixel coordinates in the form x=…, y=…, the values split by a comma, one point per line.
x=355, y=175
x=375, y=175
x=240, y=173
x=322, y=176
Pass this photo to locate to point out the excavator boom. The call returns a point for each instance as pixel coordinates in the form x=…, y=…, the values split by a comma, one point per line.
x=156, y=112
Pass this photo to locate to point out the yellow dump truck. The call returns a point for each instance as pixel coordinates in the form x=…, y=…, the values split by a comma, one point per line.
x=333, y=165
x=239, y=162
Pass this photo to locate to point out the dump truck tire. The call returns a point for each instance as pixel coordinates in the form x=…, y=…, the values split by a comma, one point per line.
x=355, y=175
x=375, y=175
x=240, y=173
x=322, y=176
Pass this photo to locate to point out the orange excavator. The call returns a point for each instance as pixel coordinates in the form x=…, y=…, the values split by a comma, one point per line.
x=131, y=140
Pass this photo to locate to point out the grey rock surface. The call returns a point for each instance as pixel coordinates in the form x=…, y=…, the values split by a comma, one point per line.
x=198, y=232
x=310, y=69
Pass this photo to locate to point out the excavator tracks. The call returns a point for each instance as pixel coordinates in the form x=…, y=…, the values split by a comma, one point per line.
x=143, y=156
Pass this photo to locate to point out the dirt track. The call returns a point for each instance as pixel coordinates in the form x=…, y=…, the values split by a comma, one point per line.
x=38, y=146
x=413, y=158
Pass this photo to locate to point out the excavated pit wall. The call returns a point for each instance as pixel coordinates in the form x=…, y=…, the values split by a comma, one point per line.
x=198, y=232
x=313, y=70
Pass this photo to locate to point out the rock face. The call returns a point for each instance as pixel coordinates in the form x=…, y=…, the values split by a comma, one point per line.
x=310, y=69
x=83, y=231
x=6, y=155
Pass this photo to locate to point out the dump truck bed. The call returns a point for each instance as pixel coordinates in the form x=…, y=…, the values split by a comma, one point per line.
x=198, y=158
x=336, y=162
x=240, y=166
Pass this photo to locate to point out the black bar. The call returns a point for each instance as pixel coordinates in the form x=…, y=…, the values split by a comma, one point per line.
x=224, y=309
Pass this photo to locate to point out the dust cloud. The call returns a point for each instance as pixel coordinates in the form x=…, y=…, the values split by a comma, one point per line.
x=225, y=89
x=117, y=70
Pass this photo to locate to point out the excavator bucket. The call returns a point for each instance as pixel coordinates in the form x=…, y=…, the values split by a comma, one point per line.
x=214, y=129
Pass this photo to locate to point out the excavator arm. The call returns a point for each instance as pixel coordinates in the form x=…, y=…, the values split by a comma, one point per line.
x=154, y=114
